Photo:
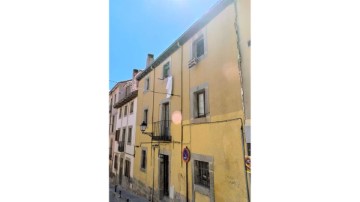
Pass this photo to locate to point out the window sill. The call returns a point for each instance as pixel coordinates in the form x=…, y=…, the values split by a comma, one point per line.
x=200, y=119
x=202, y=190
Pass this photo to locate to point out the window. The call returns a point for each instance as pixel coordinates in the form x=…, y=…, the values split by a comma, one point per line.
x=198, y=47
x=249, y=148
x=200, y=104
x=129, y=135
x=110, y=103
x=115, y=99
x=166, y=70
x=127, y=168
x=124, y=132
x=145, y=119
x=146, y=84
x=120, y=112
x=116, y=162
x=117, y=136
x=112, y=124
x=125, y=111
x=127, y=90
x=202, y=176
x=132, y=107
x=143, y=159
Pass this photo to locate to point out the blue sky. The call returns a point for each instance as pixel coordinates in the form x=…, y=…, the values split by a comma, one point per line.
x=147, y=26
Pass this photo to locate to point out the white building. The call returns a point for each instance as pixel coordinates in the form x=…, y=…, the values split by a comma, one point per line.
x=124, y=143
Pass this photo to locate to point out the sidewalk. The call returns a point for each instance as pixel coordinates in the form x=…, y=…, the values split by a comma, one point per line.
x=125, y=196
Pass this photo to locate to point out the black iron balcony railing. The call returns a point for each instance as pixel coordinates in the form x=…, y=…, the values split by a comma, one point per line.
x=161, y=130
x=121, y=147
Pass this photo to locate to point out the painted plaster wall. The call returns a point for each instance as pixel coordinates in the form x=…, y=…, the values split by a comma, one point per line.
x=220, y=139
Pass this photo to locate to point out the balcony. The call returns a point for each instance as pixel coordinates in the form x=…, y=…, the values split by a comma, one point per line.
x=161, y=130
x=121, y=147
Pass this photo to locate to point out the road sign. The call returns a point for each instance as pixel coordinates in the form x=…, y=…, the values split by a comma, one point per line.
x=186, y=154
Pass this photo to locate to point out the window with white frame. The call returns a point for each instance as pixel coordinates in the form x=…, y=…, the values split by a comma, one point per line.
x=124, y=134
x=166, y=70
x=145, y=118
x=127, y=90
x=120, y=112
x=125, y=110
x=198, y=47
x=147, y=84
x=131, y=107
x=200, y=103
x=129, y=135
x=200, y=107
x=117, y=135
x=113, y=124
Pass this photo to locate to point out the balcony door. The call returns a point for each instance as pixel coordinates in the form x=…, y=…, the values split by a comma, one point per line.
x=165, y=120
x=123, y=139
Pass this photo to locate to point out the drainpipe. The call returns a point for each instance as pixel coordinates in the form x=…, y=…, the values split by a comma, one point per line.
x=152, y=192
x=152, y=120
x=182, y=132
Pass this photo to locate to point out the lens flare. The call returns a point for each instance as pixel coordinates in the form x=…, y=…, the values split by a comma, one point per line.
x=176, y=117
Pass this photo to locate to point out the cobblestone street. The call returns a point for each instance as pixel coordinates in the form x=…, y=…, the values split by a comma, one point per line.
x=122, y=195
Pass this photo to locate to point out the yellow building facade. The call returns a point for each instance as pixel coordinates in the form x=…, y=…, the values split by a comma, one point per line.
x=190, y=98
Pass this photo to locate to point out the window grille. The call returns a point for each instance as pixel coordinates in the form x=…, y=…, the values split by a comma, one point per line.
x=202, y=176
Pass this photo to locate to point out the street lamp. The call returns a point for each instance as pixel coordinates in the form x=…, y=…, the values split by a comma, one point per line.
x=143, y=127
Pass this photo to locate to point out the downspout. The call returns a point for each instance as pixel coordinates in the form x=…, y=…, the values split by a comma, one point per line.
x=152, y=128
x=182, y=131
x=152, y=192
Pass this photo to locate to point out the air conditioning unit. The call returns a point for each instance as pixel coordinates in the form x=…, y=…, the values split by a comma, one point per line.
x=193, y=62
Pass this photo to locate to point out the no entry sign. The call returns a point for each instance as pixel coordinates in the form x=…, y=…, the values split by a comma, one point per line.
x=186, y=154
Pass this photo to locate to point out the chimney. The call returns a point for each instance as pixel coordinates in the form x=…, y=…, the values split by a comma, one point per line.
x=135, y=71
x=149, y=60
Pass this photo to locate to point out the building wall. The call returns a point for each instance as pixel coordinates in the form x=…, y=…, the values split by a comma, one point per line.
x=128, y=121
x=215, y=138
x=113, y=98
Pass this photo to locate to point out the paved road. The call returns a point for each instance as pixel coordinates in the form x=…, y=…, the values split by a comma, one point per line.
x=126, y=196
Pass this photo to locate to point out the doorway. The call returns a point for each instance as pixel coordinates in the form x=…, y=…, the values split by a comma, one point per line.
x=164, y=175
x=121, y=171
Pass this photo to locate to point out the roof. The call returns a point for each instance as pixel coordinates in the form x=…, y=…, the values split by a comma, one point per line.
x=126, y=99
x=199, y=24
x=117, y=84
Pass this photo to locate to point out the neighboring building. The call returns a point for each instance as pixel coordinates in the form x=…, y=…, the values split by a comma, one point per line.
x=244, y=41
x=191, y=97
x=124, y=140
x=113, y=98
